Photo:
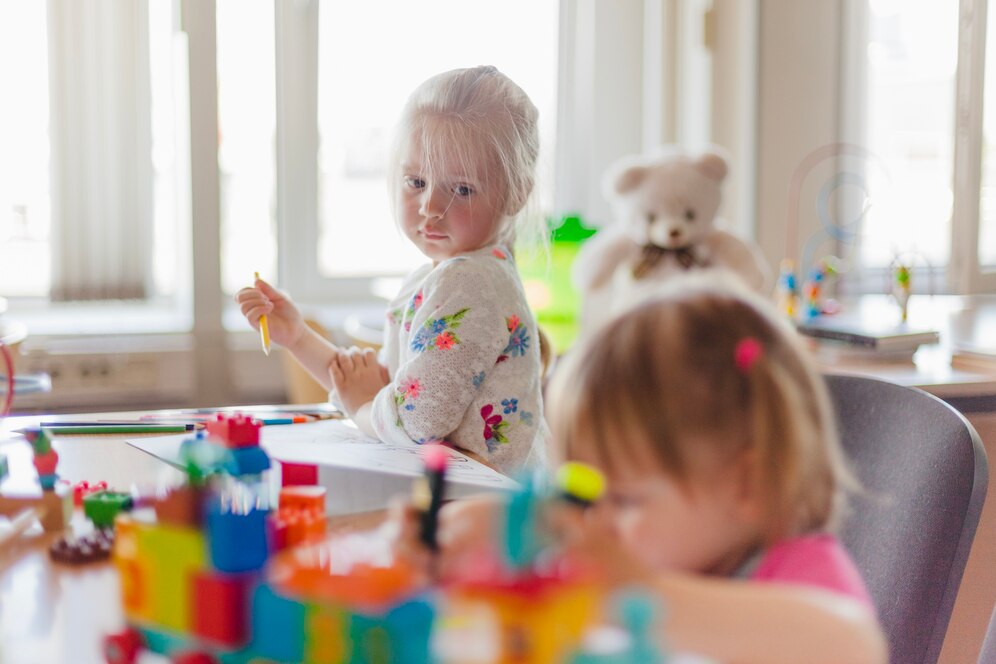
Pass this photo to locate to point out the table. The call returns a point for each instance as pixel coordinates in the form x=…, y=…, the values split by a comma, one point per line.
x=958, y=318
x=53, y=613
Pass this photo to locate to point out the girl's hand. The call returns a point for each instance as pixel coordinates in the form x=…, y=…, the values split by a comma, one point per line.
x=357, y=377
x=283, y=318
x=587, y=538
x=466, y=532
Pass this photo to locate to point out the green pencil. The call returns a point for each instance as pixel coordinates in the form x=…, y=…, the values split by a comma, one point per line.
x=111, y=429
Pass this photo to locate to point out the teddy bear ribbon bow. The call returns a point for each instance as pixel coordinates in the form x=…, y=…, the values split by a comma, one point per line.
x=652, y=254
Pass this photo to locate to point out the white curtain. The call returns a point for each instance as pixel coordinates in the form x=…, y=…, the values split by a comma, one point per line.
x=102, y=211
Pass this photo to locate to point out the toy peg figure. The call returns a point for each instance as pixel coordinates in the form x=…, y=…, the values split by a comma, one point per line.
x=788, y=289
x=901, y=287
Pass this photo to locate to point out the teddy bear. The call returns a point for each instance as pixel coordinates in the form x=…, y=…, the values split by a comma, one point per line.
x=665, y=208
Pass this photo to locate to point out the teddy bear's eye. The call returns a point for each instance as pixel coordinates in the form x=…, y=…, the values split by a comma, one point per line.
x=651, y=217
x=690, y=215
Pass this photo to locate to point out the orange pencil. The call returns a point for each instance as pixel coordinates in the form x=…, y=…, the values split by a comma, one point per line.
x=264, y=329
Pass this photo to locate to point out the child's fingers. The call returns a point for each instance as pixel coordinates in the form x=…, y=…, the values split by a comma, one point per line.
x=369, y=356
x=268, y=290
x=346, y=361
x=336, y=373
x=385, y=375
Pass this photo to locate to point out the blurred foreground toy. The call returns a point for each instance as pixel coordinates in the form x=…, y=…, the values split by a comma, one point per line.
x=226, y=574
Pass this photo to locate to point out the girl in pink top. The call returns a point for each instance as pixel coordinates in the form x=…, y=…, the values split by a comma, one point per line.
x=724, y=475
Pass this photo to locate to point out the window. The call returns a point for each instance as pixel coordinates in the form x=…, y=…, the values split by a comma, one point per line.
x=25, y=214
x=908, y=192
x=364, y=78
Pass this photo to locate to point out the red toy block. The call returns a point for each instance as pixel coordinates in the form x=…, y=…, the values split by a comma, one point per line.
x=235, y=430
x=83, y=488
x=221, y=607
x=293, y=474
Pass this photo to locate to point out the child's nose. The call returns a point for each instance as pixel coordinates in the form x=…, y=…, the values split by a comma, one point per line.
x=433, y=203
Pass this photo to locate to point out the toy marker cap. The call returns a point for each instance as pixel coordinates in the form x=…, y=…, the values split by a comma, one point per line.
x=580, y=482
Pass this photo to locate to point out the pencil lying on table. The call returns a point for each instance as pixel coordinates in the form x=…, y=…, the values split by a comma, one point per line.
x=97, y=428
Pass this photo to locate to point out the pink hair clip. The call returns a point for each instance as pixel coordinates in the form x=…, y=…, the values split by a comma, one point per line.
x=748, y=350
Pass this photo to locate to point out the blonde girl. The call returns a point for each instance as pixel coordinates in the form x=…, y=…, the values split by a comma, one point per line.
x=461, y=359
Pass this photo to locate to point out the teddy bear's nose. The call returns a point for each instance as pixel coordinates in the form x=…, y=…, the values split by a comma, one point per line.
x=675, y=233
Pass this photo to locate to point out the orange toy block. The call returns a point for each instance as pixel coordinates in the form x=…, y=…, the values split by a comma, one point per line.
x=537, y=625
x=303, y=497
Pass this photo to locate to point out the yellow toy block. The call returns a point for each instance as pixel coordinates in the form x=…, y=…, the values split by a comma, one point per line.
x=175, y=553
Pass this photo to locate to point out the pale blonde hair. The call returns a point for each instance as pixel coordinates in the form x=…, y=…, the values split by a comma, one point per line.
x=486, y=123
x=661, y=381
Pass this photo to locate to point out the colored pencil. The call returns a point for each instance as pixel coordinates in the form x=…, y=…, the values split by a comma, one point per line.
x=264, y=329
x=116, y=429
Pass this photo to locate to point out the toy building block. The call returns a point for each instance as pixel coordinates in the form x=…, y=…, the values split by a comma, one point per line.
x=174, y=555
x=305, y=498
x=326, y=633
x=292, y=474
x=123, y=647
x=246, y=461
x=234, y=431
x=83, y=488
x=638, y=615
x=103, y=506
x=182, y=506
x=400, y=636
x=236, y=537
x=221, y=607
x=277, y=626
x=4, y=468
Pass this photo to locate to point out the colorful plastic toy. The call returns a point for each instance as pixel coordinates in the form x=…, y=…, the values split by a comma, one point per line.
x=52, y=499
x=225, y=574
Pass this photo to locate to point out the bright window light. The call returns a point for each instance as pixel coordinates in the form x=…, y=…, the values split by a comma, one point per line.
x=365, y=76
x=25, y=212
x=909, y=108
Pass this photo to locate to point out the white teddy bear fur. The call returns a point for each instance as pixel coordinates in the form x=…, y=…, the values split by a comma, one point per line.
x=665, y=208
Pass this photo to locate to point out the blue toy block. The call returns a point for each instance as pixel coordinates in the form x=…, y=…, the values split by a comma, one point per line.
x=236, y=541
x=48, y=481
x=277, y=626
x=246, y=461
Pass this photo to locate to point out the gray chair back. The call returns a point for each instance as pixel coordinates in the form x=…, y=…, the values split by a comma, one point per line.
x=988, y=654
x=924, y=473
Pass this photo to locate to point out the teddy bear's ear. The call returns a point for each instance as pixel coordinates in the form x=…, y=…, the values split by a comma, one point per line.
x=624, y=176
x=713, y=165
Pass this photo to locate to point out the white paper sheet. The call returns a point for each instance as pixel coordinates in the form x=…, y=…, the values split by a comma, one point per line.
x=360, y=473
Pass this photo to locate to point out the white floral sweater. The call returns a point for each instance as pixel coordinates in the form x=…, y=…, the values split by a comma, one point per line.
x=462, y=350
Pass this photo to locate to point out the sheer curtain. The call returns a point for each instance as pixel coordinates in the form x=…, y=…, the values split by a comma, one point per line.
x=102, y=207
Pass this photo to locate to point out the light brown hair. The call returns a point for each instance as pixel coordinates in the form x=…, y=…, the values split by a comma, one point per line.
x=661, y=380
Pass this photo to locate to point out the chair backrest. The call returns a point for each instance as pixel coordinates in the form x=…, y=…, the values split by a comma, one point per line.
x=924, y=473
x=988, y=653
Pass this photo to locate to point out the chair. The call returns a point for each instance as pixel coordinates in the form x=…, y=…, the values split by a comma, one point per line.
x=988, y=653
x=925, y=474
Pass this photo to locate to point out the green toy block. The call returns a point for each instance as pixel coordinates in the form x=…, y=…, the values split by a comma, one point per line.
x=101, y=507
